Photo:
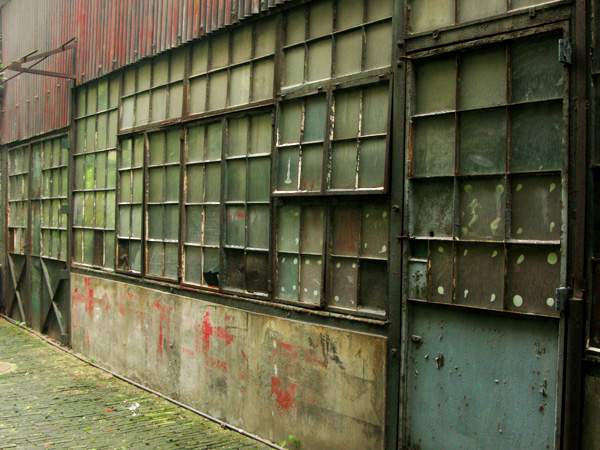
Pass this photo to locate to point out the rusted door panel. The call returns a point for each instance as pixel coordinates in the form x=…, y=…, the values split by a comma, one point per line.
x=483, y=381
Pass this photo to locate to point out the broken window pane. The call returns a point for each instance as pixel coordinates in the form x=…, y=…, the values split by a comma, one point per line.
x=482, y=138
x=481, y=208
x=210, y=267
x=487, y=288
x=433, y=143
x=373, y=285
x=257, y=270
x=234, y=269
x=417, y=280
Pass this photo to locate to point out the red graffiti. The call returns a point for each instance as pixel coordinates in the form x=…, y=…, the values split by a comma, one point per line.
x=222, y=333
x=188, y=351
x=285, y=398
x=309, y=357
x=284, y=349
x=88, y=298
x=164, y=325
x=207, y=331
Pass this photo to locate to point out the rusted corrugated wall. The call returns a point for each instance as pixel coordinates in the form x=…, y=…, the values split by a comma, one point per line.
x=110, y=34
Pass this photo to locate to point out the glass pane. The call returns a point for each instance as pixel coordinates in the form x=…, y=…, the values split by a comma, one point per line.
x=238, y=137
x=375, y=232
x=126, y=187
x=259, y=184
x=200, y=57
x=315, y=119
x=171, y=261
x=193, y=266
x=88, y=247
x=159, y=104
x=343, y=292
x=417, y=280
x=100, y=206
x=311, y=279
x=312, y=166
x=80, y=142
x=295, y=26
x=235, y=226
x=175, y=100
x=483, y=78
x=102, y=124
x=177, y=64
x=217, y=90
x=110, y=209
x=195, y=143
x=155, y=258
x=257, y=279
x=213, y=183
x=264, y=41
x=234, y=269
x=348, y=52
x=114, y=89
x=346, y=225
x=431, y=14
x=262, y=79
x=522, y=3
x=287, y=277
x=156, y=217
x=290, y=122
x=241, y=45
x=136, y=221
x=172, y=184
x=373, y=288
x=343, y=166
x=135, y=256
x=313, y=226
x=475, y=9
x=347, y=110
x=214, y=137
x=173, y=146
x=77, y=245
x=138, y=185
x=113, y=128
x=240, y=85
x=144, y=75
x=349, y=13
x=172, y=222
x=142, y=108
x=156, y=184
x=212, y=225
x=219, y=52
x=319, y=60
x=431, y=208
x=109, y=249
x=294, y=66
x=487, y=288
x=195, y=184
x=536, y=137
x=379, y=44
x=536, y=72
x=371, y=172
x=436, y=84
x=441, y=263
x=138, y=151
x=92, y=99
x=90, y=134
x=288, y=229
x=482, y=140
x=197, y=95
x=433, y=145
x=536, y=207
x=288, y=169
x=210, y=267
x=320, y=19
x=258, y=226
x=193, y=224
x=236, y=180
x=481, y=209
x=375, y=111
x=532, y=278
x=128, y=105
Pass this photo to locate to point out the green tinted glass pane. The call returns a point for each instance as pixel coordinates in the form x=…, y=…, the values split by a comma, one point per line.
x=113, y=127
x=344, y=166
x=238, y=136
x=371, y=173
x=311, y=279
x=172, y=222
x=235, y=226
x=110, y=209
x=155, y=258
x=313, y=227
x=295, y=26
x=88, y=247
x=287, y=179
x=210, y=267
x=536, y=73
x=193, y=266
x=441, y=277
x=171, y=261
x=343, y=291
x=195, y=144
x=431, y=14
x=128, y=106
x=102, y=128
x=294, y=66
x=135, y=256
x=481, y=208
x=136, y=221
x=138, y=185
x=125, y=187
x=264, y=41
x=483, y=78
x=114, y=91
x=290, y=122
x=77, y=210
x=92, y=99
x=262, y=79
x=482, y=138
x=138, y=151
x=129, y=85
x=212, y=183
x=156, y=217
x=239, y=88
x=379, y=43
x=156, y=152
x=78, y=246
x=287, y=276
x=259, y=183
x=219, y=52
x=100, y=209
x=217, y=90
x=288, y=229
x=79, y=177
x=536, y=137
x=349, y=13
x=319, y=60
x=198, y=95
x=144, y=75
x=522, y=3
x=100, y=171
x=195, y=184
x=347, y=110
x=109, y=250
x=90, y=168
x=431, y=208
x=212, y=225
x=320, y=20
x=373, y=293
x=80, y=142
x=142, y=108
x=200, y=57
x=172, y=183
x=315, y=118
x=234, y=269
x=90, y=134
x=261, y=134
x=474, y=9
x=258, y=226
x=81, y=99
x=487, y=289
x=348, y=52
x=111, y=167
x=536, y=207
x=159, y=104
x=312, y=168
x=433, y=145
x=375, y=111
x=241, y=45
x=177, y=64
x=175, y=100
x=193, y=224
x=236, y=180
x=124, y=221
x=214, y=137
x=435, y=85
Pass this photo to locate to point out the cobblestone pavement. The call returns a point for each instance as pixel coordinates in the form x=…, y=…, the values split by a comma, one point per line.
x=51, y=400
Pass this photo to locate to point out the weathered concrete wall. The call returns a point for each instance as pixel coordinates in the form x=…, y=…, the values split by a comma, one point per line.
x=270, y=376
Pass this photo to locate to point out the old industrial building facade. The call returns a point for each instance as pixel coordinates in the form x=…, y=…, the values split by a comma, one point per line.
x=369, y=224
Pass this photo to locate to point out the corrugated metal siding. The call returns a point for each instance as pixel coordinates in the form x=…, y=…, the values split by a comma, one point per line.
x=110, y=33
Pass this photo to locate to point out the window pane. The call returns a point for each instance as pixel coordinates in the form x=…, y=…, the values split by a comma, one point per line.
x=347, y=110
x=219, y=50
x=287, y=276
x=295, y=26
x=175, y=100
x=435, y=85
x=236, y=226
x=171, y=261
x=217, y=95
x=159, y=104
x=288, y=229
x=241, y=45
x=212, y=225
x=379, y=44
x=343, y=166
x=482, y=140
x=195, y=144
x=313, y=227
x=288, y=169
x=441, y=261
x=482, y=204
x=431, y=208
x=474, y=9
x=193, y=265
x=258, y=226
x=373, y=286
x=372, y=163
x=433, y=145
x=240, y=85
x=320, y=19
x=346, y=223
x=136, y=221
x=156, y=218
x=374, y=232
x=210, y=266
x=319, y=60
x=197, y=95
x=259, y=185
x=417, y=280
x=142, y=108
x=172, y=183
x=312, y=166
x=311, y=279
x=265, y=39
x=375, y=110
x=348, y=52
x=349, y=13
x=155, y=258
x=156, y=184
x=294, y=66
x=177, y=64
x=290, y=122
x=157, y=149
x=257, y=278
x=213, y=183
x=200, y=57
x=171, y=222
x=214, y=141
x=195, y=184
x=315, y=119
x=236, y=180
x=138, y=185
x=483, y=78
x=262, y=79
x=238, y=137
x=487, y=288
x=193, y=224
x=343, y=291
x=173, y=146
x=234, y=269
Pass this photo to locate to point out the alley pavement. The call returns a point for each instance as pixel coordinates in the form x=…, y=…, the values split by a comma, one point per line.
x=52, y=400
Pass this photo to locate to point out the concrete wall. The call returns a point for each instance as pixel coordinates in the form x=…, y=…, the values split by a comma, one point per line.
x=270, y=376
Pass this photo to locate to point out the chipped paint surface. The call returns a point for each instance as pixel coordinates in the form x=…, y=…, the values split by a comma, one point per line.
x=270, y=376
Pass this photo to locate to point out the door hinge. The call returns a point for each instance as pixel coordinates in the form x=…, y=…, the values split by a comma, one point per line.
x=565, y=51
x=563, y=294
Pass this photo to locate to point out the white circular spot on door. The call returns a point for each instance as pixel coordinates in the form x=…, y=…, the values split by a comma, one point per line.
x=550, y=302
x=552, y=258
x=493, y=298
x=440, y=290
x=518, y=301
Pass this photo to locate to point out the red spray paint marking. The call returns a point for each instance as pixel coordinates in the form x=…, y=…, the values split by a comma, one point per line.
x=164, y=325
x=284, y=349
x=188, y=351
x=207, y=331
x=285, y=398
x=309, y=357
x=88, y=298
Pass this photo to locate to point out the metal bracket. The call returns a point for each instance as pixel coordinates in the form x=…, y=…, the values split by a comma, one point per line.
x=565, y=52
x=563, y=294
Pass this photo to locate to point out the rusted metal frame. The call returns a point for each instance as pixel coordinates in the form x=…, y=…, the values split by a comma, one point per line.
x=16, y=281
x=514, y=20
x=53, y=306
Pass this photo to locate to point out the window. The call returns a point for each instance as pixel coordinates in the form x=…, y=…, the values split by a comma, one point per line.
x=18, y=196
x=485, y=190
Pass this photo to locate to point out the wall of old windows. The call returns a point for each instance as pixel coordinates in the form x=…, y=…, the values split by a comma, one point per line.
x=95, y=173
x=18, y=196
